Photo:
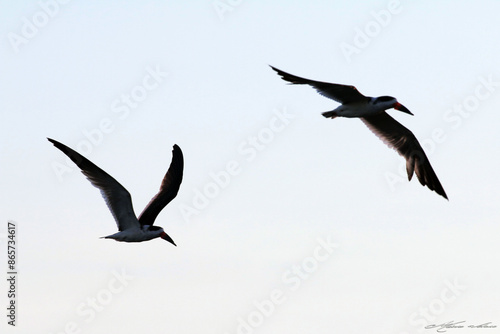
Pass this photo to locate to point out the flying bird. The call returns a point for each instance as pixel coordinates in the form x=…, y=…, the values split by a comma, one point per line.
x=371, y=110
x=131, y=228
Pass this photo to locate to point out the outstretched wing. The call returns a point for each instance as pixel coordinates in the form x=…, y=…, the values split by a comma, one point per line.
x=406, y=144
x=339, y=93
x=168, y=189
x=116, y=196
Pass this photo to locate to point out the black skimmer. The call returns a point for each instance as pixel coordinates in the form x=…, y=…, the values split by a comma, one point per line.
x=131, y=228
x=371, y=110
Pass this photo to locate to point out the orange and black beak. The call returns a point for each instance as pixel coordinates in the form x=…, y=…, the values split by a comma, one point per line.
x=400, y=107
x=165, y=236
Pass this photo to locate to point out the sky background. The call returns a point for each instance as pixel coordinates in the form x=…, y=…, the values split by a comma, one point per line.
x=269, y=184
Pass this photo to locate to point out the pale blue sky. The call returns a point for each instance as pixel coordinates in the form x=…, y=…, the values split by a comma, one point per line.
x=123, y=81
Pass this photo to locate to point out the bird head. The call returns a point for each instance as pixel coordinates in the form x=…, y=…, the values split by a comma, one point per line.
x=391, y=102
x=158, y=232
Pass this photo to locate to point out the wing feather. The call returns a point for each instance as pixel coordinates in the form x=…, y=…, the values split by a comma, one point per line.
x=406, y=144
x=117, y=198
x=340, y=93
x=168, y=189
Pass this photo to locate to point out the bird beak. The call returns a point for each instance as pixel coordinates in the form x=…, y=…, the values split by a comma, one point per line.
x=400, y=107
x=165, y=236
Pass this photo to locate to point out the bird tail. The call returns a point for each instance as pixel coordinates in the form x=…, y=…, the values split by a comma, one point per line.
x=330, y=114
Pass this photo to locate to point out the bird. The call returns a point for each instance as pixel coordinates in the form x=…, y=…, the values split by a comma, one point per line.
x=119, y=201
x=372, y=112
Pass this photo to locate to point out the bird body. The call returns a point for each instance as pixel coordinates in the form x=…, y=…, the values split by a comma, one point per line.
x=372, y=112
x=119, y=201
x=357, y=109
x=138, y=234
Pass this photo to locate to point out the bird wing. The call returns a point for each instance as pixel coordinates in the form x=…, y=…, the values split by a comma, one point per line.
x=115, y=195
x=168, y=189
x=340, y=93
x=406, y=144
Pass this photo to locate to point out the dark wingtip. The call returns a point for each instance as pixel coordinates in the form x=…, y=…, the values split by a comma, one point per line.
x=57, y=144
x=438, y=188
x=277, y=70
x=176, y=149
x=444, y=195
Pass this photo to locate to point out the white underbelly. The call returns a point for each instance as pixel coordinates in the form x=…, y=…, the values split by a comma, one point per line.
x=357, y=110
